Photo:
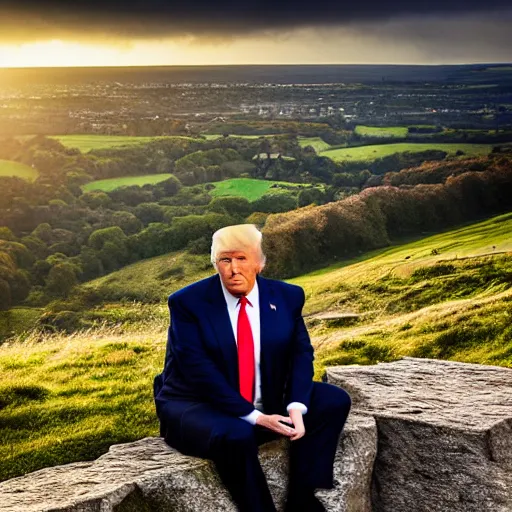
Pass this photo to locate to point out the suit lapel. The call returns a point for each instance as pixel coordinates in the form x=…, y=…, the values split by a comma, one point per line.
x=217, y=313
x=268, y=317
x=268, y=314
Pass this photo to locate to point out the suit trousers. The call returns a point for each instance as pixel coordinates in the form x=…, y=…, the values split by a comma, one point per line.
x=199, y=430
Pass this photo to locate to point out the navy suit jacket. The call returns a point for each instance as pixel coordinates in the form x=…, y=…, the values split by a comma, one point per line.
x=201, y=363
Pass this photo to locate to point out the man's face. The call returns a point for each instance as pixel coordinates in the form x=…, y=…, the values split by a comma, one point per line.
x=238, y=271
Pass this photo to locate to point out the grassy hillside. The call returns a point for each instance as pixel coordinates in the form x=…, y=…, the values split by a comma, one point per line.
x=152, y=280
x=66, y=398
x=125, y=181
x=249, y=188
x=369, y=153
x=446, y=296
x=86, y=143
x=9, y=168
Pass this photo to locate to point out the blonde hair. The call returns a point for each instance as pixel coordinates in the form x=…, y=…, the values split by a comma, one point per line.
x=241, y=237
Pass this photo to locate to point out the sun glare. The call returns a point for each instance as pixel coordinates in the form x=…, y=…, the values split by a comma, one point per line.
x=59, y=53
x=53, y=53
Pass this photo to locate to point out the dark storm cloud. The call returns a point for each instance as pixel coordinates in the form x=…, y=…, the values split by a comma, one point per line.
x=29, y=20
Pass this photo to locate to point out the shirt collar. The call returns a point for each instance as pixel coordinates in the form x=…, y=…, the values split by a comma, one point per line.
x=232, y=302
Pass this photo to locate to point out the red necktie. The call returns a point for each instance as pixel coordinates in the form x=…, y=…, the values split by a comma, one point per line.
x=245, y=352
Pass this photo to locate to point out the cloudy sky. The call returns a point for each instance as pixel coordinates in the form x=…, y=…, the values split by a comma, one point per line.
x=154, y=32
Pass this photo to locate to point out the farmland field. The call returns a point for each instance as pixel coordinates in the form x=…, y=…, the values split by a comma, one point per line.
x=125, y=181
x=215, y=136
x=316, y=142
x=386, y=131
x=245, y=187
x=369, y=153
x=10, y=168
x=87, y=143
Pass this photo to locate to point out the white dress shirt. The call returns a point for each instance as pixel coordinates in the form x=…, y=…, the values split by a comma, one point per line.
x=253, y=313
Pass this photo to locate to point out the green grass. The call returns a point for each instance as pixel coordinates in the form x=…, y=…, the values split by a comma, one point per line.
x=151, y=280
x=249, y=188
x=316, y=142
x=87, y=143
x=369, y=153
x=125, y=181
x=10, y=168
x=18, y=320
x=67, y=398
x=386, y=131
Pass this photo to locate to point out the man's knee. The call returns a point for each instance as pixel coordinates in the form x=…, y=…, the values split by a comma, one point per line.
x=234, y=433
x=332, y=399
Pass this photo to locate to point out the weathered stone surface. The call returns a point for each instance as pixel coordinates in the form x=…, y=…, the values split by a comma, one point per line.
x=353, y=466
x=148, y=476
x=444, y=434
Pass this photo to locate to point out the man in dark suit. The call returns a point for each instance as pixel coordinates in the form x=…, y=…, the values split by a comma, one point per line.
x=238, y=372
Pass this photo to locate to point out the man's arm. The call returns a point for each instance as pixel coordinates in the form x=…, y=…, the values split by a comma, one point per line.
x=300, y=382
x=196, y=366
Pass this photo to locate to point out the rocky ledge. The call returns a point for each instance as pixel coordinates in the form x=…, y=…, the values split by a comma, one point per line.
x=424, y=435
x=148, y=476
x=444, y=433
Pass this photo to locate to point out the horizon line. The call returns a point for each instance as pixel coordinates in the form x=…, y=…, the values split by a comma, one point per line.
x=128, y=66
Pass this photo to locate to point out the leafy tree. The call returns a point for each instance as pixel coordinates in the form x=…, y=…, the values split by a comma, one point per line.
x=6, y=234
x=311, y=195
x=149, y=212
x=90, y=264
x=234, y=206
x=275, y=203
x=127, y=221
x=43, y=232
x=112, y=234
x=171, y=186
x=61, y=279
x=96, y=199
x=131, y=196
x=5, y=295
x=257, y=218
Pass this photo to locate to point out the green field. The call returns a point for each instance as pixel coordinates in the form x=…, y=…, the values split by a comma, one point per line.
x=87, y=143
x=10, y=168
x=126, y=181
x=249, y=188
x=215, y=136
x=386, y=131
x=316, y=142
x=369, y=153
x=67, y=398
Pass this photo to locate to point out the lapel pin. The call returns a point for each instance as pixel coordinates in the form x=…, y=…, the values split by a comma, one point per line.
x=273, y=306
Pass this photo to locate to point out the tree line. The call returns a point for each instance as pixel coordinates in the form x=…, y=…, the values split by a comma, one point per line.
x=307, y=238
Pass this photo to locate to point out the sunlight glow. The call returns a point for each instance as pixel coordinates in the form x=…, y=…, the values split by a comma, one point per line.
x=58, y=53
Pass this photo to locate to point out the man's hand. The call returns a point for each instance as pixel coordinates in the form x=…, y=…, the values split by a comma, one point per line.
x=298, y=423
x=273, y=422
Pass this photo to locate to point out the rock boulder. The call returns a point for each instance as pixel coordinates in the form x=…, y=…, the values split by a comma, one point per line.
x=148, y=476
x=444, y=433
